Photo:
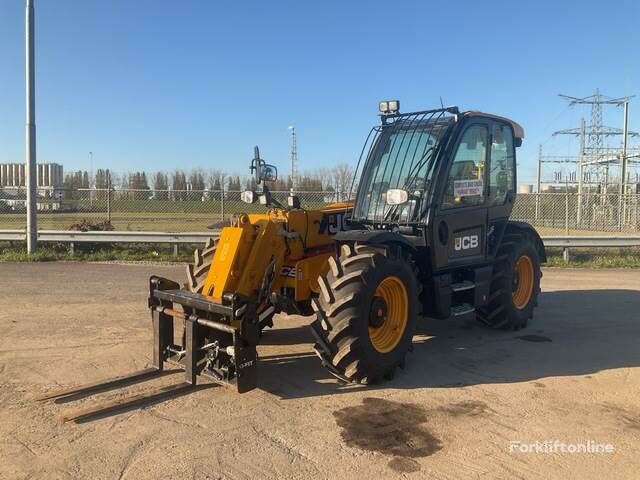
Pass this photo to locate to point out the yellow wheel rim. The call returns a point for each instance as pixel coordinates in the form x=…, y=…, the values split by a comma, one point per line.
x=523, y=282
x=386, y=336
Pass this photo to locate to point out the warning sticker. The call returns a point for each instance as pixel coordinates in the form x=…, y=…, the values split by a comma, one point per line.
x=467, y=188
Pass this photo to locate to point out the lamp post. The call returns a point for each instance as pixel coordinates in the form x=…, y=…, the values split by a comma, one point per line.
x=294, y=157
x=30, y=131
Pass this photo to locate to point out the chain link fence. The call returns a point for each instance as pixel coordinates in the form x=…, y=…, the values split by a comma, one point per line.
x=579, y=214
x=141, y=210
x=196, y=210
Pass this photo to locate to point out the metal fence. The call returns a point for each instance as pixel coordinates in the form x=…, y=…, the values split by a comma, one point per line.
x=579, y=214
x=141, y=210
x=193, y=211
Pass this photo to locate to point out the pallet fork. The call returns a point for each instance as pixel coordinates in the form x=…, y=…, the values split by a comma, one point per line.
x=224, y=350
x=218, y=341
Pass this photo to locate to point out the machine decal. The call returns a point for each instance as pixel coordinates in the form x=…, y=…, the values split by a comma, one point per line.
x=288, y=271
x=331, y=223
x=245, y=364
x=467, y=188
x=466, y=243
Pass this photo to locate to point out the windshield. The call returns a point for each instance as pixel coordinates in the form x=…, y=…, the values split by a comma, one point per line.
x=402, y=156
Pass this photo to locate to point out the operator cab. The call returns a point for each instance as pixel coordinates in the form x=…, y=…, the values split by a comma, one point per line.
x=442, y=178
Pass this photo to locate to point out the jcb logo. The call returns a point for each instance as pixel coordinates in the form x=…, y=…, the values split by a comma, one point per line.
x=288, y=271
x=332, y=223
x=467, y=242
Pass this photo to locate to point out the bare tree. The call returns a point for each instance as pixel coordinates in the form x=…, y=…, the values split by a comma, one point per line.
x=179, y=185
x=197, y=180
x=161, y=185
x=342, y=178
x=215, y=180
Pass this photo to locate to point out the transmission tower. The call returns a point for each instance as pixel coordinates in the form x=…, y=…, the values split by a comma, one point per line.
x=595, y=132
x=294, y=156
x=595, y=156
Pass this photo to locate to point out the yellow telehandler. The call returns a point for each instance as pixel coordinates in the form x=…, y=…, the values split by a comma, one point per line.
x=428, y=234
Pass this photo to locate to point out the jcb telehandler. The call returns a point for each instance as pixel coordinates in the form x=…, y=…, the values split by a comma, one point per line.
x=428, y=234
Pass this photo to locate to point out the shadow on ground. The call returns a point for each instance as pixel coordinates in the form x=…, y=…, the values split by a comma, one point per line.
x=573, y=333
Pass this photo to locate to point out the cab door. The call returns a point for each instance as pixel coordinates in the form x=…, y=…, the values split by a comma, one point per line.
x=460, y=223
x=501, y=178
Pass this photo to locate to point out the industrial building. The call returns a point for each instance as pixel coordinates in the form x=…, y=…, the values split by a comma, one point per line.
x=49, y=177
x=13, y=194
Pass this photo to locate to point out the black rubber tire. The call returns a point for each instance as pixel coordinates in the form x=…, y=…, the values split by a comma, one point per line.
x=345, y=301
x=500, y=311
x=198, y=270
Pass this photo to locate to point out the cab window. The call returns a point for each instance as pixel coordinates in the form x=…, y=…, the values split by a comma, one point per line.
x=465, y=184
x=503, y=164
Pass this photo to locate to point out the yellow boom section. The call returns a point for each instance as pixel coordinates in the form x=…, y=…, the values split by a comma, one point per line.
x=234, y=244
x=287, y=248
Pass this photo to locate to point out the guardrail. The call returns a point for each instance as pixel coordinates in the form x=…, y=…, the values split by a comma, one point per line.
x=565, y=241
x=67, y=236
x=73, y=237
x=176, y=238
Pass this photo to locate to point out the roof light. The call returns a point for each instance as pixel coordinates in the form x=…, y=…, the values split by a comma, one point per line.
x=388, y=107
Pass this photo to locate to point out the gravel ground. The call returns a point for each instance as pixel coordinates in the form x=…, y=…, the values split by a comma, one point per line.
x=573, y=376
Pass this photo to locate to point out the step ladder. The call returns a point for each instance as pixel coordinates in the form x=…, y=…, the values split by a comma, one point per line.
x=461, y=308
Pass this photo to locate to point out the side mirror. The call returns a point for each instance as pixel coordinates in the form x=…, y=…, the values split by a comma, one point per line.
x=397, y=196
x=268, y=173
x=249, y=196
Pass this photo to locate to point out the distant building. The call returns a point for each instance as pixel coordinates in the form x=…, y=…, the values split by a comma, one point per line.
x=15, y=200
x=49, y=178
x=13, y=194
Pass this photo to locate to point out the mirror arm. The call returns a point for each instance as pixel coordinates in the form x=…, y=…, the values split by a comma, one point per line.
x=270, y=200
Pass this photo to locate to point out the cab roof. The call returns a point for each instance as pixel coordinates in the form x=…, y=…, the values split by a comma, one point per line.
x=518, y=131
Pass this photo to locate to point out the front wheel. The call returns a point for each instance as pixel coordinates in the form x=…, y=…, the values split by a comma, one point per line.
x=368, y=308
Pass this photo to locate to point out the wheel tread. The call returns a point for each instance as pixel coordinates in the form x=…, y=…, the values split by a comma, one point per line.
x=343, y=289
x=198, y=270
x=498, y=311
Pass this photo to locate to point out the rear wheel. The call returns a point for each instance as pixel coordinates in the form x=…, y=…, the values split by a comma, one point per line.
x=368, y=307
x=515, y=284
x=198, y=270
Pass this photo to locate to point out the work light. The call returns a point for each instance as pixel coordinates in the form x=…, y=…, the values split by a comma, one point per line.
x=389, y=106
x=248, y=196
x=293, y=201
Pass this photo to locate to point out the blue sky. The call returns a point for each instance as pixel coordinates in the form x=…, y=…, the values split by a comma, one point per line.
x=158, y=84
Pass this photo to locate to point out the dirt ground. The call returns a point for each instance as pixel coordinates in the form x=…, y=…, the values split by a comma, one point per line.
x=573, y=376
